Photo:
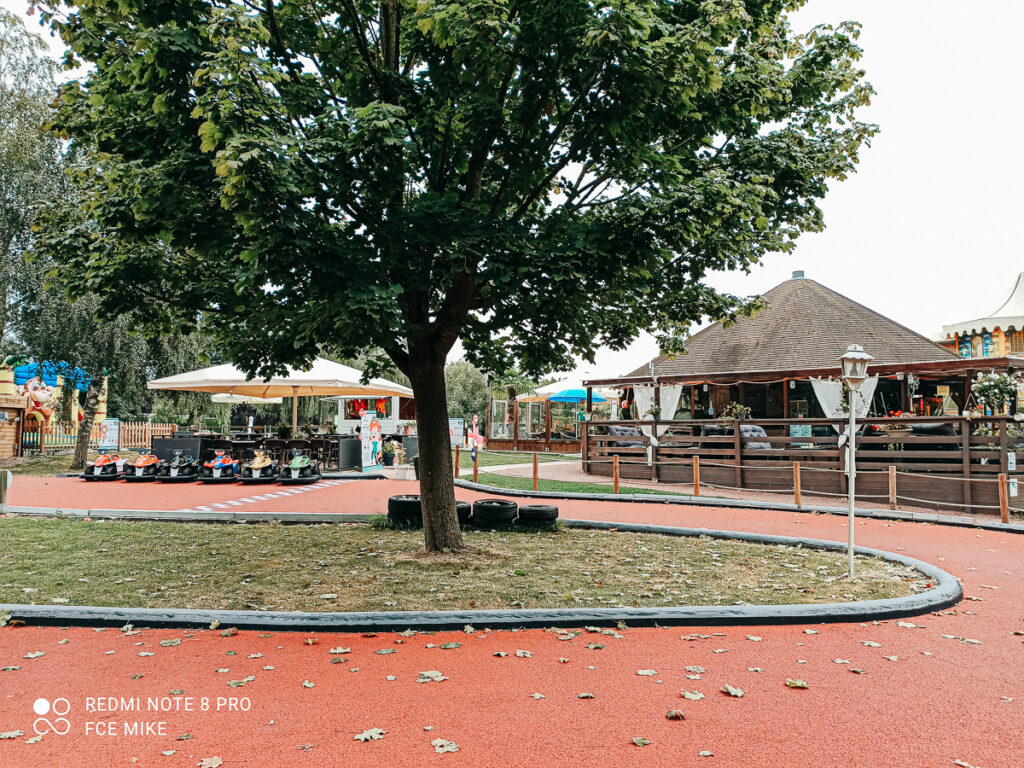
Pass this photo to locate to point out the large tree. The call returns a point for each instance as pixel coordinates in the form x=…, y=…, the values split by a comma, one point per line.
x=535, y=177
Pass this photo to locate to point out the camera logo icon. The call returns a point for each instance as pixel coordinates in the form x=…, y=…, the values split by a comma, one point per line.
x=57, y=708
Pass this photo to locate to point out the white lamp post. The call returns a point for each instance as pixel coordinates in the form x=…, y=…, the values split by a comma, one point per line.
x=855, y=369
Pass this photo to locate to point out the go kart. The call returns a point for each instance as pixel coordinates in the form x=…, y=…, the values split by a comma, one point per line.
x=106, y=467
x=300, y=471
x=220, y=469
x=143, y=469
x=180, y=469
x=262, y=469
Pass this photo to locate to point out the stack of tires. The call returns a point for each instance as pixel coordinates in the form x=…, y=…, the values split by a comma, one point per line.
x=406, y=511
x=488, y=513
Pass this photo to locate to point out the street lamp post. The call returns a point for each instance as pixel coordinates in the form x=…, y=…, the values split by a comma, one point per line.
x=855, y=369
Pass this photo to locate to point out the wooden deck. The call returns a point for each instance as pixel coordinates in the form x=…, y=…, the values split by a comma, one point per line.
x=957, y=471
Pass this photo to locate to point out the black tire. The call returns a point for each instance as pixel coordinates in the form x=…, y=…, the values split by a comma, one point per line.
x=538, y=513
x=400, y=521
x=406, y=507
x=464, y=510
x=494, y=512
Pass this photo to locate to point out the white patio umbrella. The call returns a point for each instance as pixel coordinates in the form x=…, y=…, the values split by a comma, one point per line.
x=246, y=399
x=324, y=377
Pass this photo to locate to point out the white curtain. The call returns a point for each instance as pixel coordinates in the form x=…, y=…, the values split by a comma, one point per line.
x=669, y=402
x=830, y=396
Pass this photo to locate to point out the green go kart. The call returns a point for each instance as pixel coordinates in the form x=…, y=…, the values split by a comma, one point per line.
x=300, y=471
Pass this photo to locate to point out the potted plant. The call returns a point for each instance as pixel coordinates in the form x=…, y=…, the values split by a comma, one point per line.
x=283, y=430
x=388, y=452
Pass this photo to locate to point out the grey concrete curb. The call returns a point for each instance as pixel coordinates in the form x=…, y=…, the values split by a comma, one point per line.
x=946, y=593
x=717, y=501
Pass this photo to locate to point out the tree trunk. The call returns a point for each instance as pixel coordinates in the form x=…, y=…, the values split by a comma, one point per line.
x=92, y=400
x=510, y=407
x=437, y=490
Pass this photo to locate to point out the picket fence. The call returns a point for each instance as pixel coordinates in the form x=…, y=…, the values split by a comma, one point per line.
x=57, y=439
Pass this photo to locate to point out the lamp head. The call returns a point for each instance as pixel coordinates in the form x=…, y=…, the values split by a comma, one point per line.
x=855, y=365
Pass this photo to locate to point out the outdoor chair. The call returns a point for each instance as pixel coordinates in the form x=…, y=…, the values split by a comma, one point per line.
x=275, y=448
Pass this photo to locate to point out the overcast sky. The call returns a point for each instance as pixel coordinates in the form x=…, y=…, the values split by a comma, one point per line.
x=926, y=231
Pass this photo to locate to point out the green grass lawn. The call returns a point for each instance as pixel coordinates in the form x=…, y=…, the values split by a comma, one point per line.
x=353, y=567
x=490, y=459
x=526, y=484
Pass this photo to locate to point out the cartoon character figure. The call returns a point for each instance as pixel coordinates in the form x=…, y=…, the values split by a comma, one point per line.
x=376, y=446
x=40, y=399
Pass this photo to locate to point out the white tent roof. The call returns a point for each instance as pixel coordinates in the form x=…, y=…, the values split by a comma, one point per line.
x=323, y=378
x=1009, y=315
x=573, y=382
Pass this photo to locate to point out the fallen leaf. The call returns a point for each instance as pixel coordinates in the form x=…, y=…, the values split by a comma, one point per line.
x=755, y=669
x=373, y=734
x=211, y=762
x=383, y=651
x=706, y=753
x=840, y=661
x=594, y=646
x=856, y=671
x=695, y=669
x=168, y=752
x=443, y=745
x=307, y=684
x=185, y=737
x=11, y=734
x=524, y=654
x=229, y=632
x=870, y=643
x=584, y=695
x=537, y=696
x=430, y=676
x=34, y=654
x=329, y=596
x=501, y=654
x=562, y=660
x=646, y=672
x=170, y=643
x=176, y=692
x=243, y=681
x=810, y=631
x=640, y=741
x=692, y=695
x=737, y=692
x=754, y=638
x=146, y=653
x=14, y=668
x=675, y=714
x=449, y=646
x=795, y=683
x=339, y=649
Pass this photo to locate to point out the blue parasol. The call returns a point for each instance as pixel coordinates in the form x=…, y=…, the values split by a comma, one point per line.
x=577, y=395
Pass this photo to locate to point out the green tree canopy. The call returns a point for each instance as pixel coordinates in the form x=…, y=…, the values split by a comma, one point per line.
x=534, y=177
x=466, y=386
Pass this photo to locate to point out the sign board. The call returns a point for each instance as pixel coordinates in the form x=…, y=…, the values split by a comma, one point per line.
x=942, y=390
x=3, y=415
x=372, y=445
x=1011, y=462
x=1012, y=485
x=110, y=435
x=457, y=431
x=800, y=430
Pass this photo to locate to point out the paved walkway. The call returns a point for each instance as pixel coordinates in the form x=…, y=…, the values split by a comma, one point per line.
x=950, y=687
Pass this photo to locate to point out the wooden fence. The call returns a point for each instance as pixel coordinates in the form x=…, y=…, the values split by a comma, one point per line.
x=943, y=463
x=57, y=439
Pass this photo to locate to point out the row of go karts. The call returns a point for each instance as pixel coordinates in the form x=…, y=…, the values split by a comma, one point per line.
x=220, y=468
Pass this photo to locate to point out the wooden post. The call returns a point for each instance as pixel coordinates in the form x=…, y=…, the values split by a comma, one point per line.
x=1004, y=499
x=536, y=476
x=796, y=485
x=547, y=425
x=965, y=448
x=615, y=472
x=737, y=447
x=785, y=398
x=456, y=461
x=515, y=425
x=42, y=439
x=696, y=475
x=476, y=465
x=892, y=487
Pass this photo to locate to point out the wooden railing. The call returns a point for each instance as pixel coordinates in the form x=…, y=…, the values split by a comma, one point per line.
x=56, y=439
x=955, y=470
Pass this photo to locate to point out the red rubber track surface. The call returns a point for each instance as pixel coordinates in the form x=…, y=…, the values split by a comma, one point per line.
x=920, y=710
